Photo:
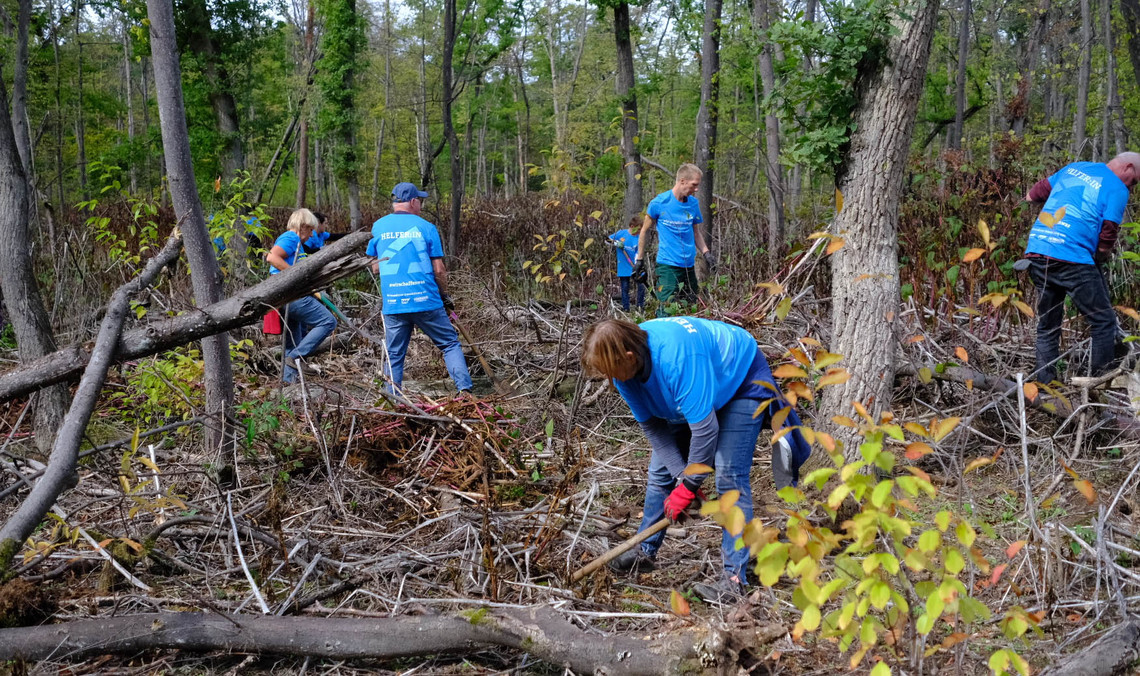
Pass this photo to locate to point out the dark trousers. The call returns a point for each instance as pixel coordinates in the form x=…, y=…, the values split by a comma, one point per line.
x=1086, y=285
x=674, y=283
x=625, y=282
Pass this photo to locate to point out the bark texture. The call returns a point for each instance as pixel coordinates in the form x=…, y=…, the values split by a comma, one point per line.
x=25, y=306
x=773, y=173
x=200, y=39
x=865, y=270
x=538, y=631
x=448, y=74
x=334, y=261
x=627, y=96
x=1114, y=653
x=205, y=275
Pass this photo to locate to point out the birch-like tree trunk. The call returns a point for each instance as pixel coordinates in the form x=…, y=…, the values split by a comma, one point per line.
x=205, y=276
x=865, y=271
x=1084, y=72
x=773, y=172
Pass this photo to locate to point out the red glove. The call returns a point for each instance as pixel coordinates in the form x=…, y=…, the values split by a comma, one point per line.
x=678, y=501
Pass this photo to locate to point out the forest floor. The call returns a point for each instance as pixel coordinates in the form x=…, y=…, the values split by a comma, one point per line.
x=341, y=503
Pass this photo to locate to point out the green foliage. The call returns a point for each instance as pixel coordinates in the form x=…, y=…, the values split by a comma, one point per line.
x=161, y=389
x=889, y=581
x=341, y=45
x=126, y=243
x=819, y=103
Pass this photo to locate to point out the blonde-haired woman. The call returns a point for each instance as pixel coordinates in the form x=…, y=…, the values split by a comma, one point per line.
x=308, y=322
x=694, y=386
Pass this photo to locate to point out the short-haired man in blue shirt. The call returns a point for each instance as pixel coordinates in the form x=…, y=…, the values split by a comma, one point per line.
x=413, y=284
x=677, y=216
x=1083, y=207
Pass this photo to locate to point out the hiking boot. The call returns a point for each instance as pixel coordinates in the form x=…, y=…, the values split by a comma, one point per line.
x=632, y=562
x=299, y=364
x=724, y=592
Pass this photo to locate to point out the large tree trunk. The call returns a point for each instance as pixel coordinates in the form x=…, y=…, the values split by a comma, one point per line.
x=627, y=99
x=20, y=93
x=865, y=270
x=331, y=263
x=1084, y=72
x=1115, y=113
x=773, y=172
x=1131, y=11
x=200, y=39
x=707, y=114
x=538, y=631
x=80, y=128
x=205, y=276
x=21, y=296
x=128, y=86
x=956, y=130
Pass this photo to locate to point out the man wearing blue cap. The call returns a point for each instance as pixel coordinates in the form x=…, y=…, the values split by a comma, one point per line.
x=413, y=284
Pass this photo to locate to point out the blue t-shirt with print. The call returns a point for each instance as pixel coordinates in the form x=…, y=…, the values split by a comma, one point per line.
x=405, y=245
x=698, y=367
x=675, y=242
x=291, y=243
x=626, y=251
x=1090, y=194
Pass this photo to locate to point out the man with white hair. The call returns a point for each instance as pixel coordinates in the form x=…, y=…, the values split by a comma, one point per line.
x=1076, y=231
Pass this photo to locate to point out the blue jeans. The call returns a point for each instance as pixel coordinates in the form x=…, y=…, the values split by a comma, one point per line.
x=308, y=322
x=435, y=325
x=1085, y=284
x=735, y=448
x=625, y=281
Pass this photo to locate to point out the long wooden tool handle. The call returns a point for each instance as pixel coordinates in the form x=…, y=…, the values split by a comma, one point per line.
x=478, y=353
x=624, y=547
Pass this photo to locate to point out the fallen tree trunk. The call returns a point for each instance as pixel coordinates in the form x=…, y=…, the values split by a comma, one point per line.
x=1114, y=653
x=330, y=264
x=538, y=631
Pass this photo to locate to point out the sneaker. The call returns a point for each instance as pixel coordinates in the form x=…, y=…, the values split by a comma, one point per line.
x=632, y=562
x=724, y=592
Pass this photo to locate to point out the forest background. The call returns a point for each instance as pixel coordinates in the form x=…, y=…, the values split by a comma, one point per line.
x=864, y=163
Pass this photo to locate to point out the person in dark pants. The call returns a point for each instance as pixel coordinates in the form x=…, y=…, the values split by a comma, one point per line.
x=625, y=241
x=677, y=216
x=321, y=235
x=694, y=386
x=1083, y=207
x=308, y=321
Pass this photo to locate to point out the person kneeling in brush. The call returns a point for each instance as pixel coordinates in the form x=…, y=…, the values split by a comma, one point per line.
x=693, y=386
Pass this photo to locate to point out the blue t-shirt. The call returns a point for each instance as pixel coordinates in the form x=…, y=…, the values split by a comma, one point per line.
x=405, y=245
x=626, y=251
x=291, y=243
x=1090, y=194
x=675, y=242
x=317, y=240
x=698, y=367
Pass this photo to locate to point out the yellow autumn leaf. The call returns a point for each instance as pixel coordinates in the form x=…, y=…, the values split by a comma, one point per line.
x=697, y=468
x=1086, y=489
x=973, y=255
x=984, y=231
x=834, y=377
x=977, y=463
x=940, y=428
x=679, y=604
x=789, y=371
x=838, y=201
x=960, y=353
x=915, y=428
x=1129, y=312
x=1025, y=309
x=823, y=359
x=1030, y=391
x=836, y=245
x=918, y=449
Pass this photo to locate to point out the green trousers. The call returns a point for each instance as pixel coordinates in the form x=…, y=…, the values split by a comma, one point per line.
x=675, y=284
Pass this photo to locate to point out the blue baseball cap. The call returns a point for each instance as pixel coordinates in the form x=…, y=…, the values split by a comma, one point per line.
x=406, y=192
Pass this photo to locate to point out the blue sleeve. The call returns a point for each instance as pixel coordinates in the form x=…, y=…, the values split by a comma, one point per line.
x=654, y=209
x=373, y=247
x=434, y=244
x=693, y=386
x=697, y=218
x=1057, y=176
x=290, y=242
x=1114, y=206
